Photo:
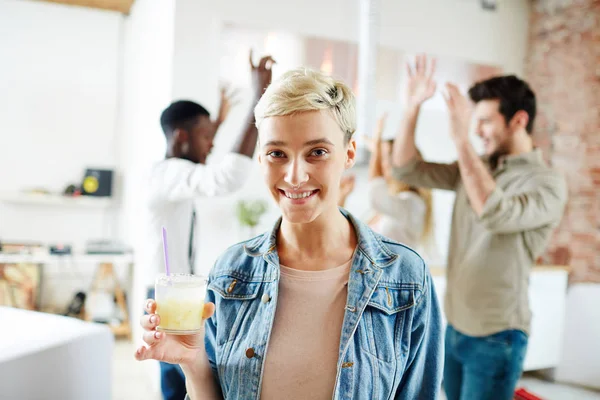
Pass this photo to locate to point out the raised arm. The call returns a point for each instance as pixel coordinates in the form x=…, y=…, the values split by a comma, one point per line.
x=227, y=101
x=419, y=88
x=408, y=166
x=261, y=79
x=542, y=204
x=376, y=160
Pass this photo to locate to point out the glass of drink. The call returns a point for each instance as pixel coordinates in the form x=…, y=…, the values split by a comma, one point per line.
x=180, y=302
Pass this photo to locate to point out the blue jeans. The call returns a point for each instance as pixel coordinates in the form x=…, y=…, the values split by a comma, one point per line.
x=483, y=368
x=172, y=379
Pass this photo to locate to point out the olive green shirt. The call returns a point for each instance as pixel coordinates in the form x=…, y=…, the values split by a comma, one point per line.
x=490, y=256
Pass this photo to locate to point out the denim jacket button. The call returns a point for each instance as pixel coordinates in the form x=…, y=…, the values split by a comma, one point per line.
x=265, y=298
x=250, y=353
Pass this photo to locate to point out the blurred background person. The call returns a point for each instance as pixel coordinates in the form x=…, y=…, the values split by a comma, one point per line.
x=507, y=204
x=398, y=211
x=183, y=177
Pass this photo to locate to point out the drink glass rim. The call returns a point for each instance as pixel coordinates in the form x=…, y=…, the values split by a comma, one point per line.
x=181, y=279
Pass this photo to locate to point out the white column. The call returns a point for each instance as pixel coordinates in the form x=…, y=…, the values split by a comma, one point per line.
x=367, y=63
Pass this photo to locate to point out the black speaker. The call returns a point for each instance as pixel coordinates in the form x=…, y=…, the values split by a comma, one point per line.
x=97, y=182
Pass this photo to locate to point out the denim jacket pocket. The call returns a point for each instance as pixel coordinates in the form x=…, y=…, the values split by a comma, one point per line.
x=384, y=321
x=234, y=297
x=234, y=288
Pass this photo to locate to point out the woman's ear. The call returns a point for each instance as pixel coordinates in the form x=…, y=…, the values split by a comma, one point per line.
x=351, y=154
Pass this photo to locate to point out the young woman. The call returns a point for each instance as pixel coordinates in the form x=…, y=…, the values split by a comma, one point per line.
x=321, y=307
x=398, y=211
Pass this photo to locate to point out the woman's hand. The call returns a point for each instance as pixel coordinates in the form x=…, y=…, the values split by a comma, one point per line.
x=262, y=73
x=420, y=85
x=173, y=349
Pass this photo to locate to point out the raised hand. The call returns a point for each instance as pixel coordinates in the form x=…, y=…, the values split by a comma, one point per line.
x=173, y=349
x=460, y=109
x=420, y=85
x=262, y=74
x=228, y=101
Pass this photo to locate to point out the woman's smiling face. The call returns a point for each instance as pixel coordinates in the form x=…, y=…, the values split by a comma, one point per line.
x=303, y=157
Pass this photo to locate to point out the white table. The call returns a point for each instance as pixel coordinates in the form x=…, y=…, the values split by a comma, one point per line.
x=45, y=356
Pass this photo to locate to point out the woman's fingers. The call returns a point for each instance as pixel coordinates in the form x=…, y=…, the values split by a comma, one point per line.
x=208, y=311
x=431, y=69
x=150, y=306
x=152, y=337
x=144, y=353
x=150, y=321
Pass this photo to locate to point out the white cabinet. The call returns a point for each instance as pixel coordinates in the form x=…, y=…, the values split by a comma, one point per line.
x=547, y=297
x=579, y=362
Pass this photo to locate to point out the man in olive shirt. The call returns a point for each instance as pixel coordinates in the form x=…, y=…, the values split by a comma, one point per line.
x=507, y=204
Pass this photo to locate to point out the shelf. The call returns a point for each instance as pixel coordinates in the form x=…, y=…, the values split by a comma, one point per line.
x=45, y=258
x=55, y=200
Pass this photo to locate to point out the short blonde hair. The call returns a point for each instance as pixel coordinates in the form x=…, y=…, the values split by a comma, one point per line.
x=302, y=90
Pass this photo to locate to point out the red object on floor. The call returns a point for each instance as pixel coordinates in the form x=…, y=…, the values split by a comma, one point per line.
x=523, y=394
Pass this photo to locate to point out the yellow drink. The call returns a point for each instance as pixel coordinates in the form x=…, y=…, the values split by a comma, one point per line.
x=180, y=303
x=180, y=315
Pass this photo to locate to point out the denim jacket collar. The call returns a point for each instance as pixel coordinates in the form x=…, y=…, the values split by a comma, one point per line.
x=368, y=244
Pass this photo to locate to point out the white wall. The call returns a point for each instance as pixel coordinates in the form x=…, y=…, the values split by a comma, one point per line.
x=58, y=106
x=58, y=90
x=458, y=28
x=454, y=28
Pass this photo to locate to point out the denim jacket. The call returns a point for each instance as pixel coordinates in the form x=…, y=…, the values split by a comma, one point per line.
x=391, y=338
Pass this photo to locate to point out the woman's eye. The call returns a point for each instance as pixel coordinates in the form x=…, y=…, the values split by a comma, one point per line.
x=276, y=154
x=318, y=152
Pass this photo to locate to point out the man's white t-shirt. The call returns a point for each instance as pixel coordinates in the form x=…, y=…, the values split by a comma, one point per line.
x=172, y=186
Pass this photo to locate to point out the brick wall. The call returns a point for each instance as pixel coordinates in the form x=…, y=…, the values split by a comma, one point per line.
x=563, y=66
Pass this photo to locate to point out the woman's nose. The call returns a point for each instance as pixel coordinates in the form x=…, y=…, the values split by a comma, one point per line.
x=296, y=174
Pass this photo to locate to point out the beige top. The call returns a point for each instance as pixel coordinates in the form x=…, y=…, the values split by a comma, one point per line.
x=490, y=257
x=401, y=216
x=301, y=360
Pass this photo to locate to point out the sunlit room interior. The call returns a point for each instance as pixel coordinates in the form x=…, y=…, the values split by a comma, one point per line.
x=83, y=84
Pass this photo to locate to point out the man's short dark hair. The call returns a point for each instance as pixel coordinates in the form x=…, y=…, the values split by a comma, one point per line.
x=181, y=114
x=513, y=93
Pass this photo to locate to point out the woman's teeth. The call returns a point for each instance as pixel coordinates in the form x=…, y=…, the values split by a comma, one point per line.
x=301, y=195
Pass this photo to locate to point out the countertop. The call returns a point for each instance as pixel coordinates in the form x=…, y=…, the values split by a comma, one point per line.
x=441, y=270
